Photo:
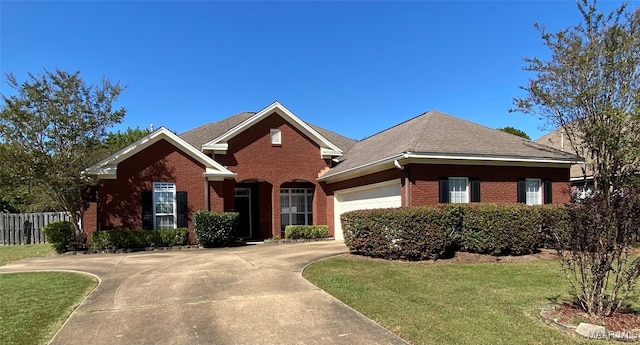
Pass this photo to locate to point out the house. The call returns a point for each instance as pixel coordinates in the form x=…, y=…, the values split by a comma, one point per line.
x=580, y=174
x=275, y=169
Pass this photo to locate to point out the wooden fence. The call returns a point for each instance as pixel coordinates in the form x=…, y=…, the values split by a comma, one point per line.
x=26, y=228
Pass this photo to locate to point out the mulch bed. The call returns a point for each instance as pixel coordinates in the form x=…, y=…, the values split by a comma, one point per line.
x=623, y=325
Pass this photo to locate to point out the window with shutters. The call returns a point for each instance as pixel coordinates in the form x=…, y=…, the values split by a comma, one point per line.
x=459, y=190
x=164, y=205
x=530, y=191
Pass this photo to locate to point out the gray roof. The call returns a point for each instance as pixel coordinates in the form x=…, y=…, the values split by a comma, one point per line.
x=205, y=133
x=556, y=140
x=440, y=134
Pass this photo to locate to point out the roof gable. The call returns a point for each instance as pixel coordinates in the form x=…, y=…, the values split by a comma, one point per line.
x=108, y=167
x=220, y=143
x=437, y=136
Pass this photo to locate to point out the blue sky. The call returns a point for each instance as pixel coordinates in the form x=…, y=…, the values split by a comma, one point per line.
x=352, y=67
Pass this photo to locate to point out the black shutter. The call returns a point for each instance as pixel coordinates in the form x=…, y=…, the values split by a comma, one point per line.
x=181, y=198
x=548, y=187
x=444, y=190
x=522, y=190
x=147, y=210
x=475, y=190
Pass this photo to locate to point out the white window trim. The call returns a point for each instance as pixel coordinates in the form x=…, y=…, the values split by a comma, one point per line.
x=165, y=187
x=288, y=192
x=466, y=194
x=276, y=137
x=537, y=196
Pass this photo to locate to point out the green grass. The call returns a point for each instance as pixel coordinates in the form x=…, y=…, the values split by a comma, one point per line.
x=440, y=303
x=33, y=306
x=19, y=252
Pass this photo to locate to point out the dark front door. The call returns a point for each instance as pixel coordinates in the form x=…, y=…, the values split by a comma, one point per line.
x=242, y=201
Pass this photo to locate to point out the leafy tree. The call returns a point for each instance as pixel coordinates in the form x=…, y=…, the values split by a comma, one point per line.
x=515, y=131
x=590, y=88
x=119, y=140
x=52, y=129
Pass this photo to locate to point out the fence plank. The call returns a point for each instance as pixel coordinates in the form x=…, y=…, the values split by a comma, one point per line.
x=26, y=228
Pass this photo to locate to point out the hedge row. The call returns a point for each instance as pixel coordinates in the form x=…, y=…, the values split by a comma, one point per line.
x=215, y=228
x=306, y=231
x=132, y=239
x=433, y=231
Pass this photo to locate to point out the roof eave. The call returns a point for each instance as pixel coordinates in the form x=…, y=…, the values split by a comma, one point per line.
x=220, y=144
x=108, y=167
x=422, y=158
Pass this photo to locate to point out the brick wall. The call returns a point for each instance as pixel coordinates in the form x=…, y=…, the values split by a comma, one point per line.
x=497, y=183
x=252, y=156
x=120, y=205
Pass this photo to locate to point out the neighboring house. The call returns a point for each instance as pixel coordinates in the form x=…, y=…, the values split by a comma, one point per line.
x=581, y=173
x=275, y=169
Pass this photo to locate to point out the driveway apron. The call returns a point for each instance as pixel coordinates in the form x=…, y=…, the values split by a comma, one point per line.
x=244, y=295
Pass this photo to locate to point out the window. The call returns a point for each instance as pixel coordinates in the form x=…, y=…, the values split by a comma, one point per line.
x=458, y=193
x=276, y=137
x=530, y=191
x=533, y=194
x=459, y=190
x=164, y=207
x=296, y=206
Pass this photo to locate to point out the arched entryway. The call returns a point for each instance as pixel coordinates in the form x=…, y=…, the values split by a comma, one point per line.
x=252, y=199
x=296, y=203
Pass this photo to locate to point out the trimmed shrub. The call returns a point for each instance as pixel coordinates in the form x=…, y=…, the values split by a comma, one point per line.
x=135, y=239
x=215, y=228
x=400, y=233
x=500, y=229
x=306, y=231
x=60, y=235
x=555, y=221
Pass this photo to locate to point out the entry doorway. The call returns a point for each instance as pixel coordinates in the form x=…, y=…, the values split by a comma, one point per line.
x=242, y=201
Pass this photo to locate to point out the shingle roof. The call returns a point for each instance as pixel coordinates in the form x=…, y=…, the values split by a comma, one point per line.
x=555, y=139
x=205, y=133
x=200, y=135
x=440, y=134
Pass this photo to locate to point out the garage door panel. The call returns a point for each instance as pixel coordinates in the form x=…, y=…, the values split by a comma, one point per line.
x=379, y=195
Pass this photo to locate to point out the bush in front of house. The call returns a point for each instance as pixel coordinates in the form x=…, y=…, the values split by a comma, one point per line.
x=306, y=231
x=505, y=229
x=555, y=223
x=400, y=233
x=136, y=239
x=418, y=233
x=60, y=235
x=214, y=229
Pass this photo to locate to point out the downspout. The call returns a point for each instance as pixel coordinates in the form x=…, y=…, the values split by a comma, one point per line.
x=406, y=181
x=206, y=194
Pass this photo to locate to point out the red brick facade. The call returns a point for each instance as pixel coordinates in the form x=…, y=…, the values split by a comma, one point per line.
x=498, y=184
x=256, y=160
x=120, y=200
x=264, y=168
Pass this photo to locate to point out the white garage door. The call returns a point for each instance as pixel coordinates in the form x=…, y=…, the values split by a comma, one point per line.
x=378, y=195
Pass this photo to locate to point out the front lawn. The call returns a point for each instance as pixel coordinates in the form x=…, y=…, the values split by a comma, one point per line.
x=33, y=306
x=450, y=303
x=19, y=252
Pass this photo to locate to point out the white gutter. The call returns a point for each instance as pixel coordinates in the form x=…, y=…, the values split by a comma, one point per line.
x=378, y=162
x=408, y=155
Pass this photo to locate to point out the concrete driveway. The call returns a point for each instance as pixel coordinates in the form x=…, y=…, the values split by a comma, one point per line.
x=244, y=295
